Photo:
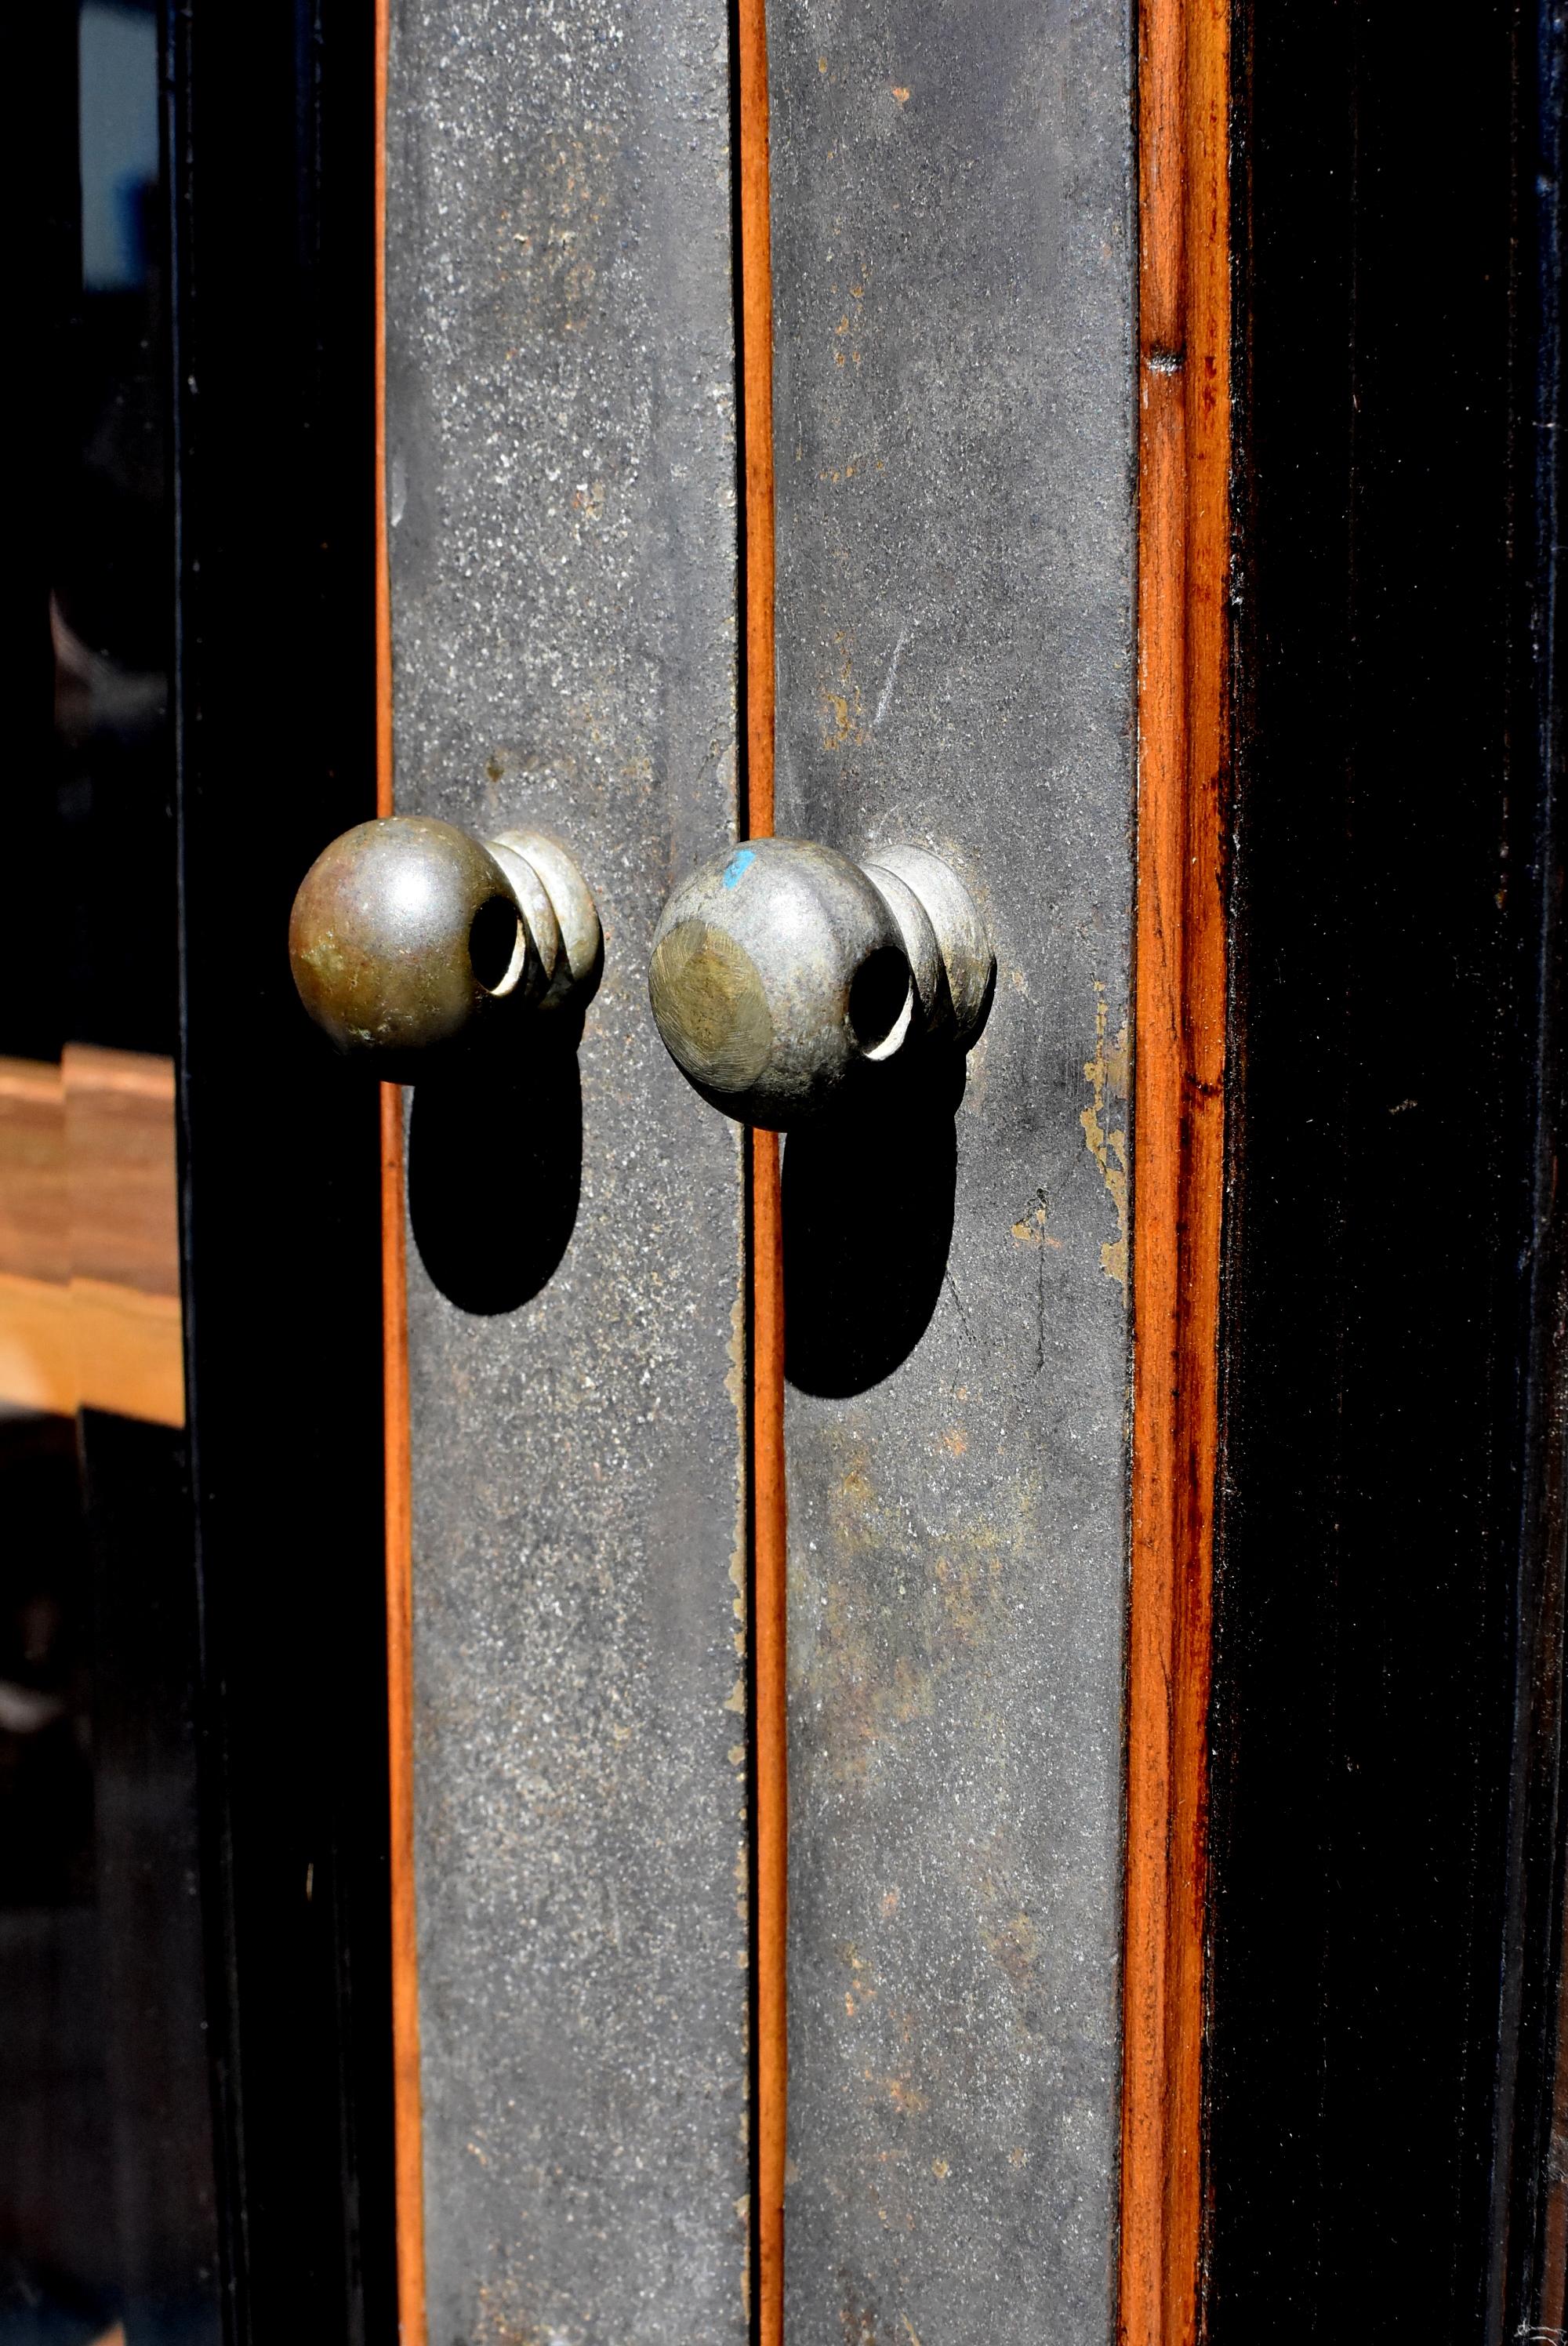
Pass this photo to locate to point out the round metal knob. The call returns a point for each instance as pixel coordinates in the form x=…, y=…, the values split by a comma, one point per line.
x=782, y=970
x=408, y=935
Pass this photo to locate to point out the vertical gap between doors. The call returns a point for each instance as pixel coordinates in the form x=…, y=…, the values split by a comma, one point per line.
x=770, y=1806
x=407, y=2116
x=1184, y=559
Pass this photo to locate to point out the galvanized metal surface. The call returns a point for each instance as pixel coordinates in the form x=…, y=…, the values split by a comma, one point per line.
x=954, y=443
x=562, y=489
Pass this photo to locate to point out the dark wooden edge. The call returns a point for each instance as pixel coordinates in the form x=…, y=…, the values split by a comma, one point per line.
x=408, y=2115
x=1527, y=2291
x=1500, y=2245
x=269, y=131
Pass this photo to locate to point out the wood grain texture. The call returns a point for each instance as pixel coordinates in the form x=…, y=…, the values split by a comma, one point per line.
x=382, y=589
x=34, y=1215
x=37, y=1345
x=1178, y=1138
x=121, y=1170
x=769, y=1529
x=89, y=1235
x=130, y=1356
x=756, y=263
x=408, y=2122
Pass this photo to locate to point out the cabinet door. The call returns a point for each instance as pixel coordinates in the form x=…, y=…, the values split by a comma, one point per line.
x=721, y=482
x=858, y=1872
x=562, y=523
x=952, y=259
x=576, y=519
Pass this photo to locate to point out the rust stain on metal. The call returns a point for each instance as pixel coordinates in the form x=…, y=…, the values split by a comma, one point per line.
x=1016, y=1946
x=949, y=1600
x=502, y=2323
x=858, y=2316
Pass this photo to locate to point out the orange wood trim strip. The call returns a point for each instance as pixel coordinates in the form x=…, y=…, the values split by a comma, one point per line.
x=757, y=409
x=383, y=553
x=1183, y=549
x=770, y=1825
x=407, y=2091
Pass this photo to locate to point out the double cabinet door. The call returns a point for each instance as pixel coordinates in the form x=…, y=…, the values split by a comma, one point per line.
x=608, y=625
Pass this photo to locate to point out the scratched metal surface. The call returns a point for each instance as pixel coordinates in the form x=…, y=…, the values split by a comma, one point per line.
x=954, y=442
x=561, y=462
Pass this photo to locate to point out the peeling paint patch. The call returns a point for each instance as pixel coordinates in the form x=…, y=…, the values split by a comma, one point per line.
x=845, y=723
x=1032, y=1230
x=1106, y=1073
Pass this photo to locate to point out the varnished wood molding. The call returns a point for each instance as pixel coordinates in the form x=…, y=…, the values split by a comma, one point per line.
x=408, y=2100
x=1183, y=547
x=767, y=1606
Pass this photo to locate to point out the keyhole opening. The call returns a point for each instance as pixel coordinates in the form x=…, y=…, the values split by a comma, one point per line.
x=497, y=947
x=882, y=999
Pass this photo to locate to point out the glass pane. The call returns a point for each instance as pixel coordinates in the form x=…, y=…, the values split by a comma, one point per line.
x=108, y=2223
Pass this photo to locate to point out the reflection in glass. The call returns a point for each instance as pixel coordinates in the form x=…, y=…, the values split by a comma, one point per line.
x=108, y=2219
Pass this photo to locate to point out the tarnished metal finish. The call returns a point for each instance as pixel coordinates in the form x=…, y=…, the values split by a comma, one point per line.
x=956, y=997
x=408, y=938
x=955, y=447
x=382, y=938
x=782, y=974
x=575, y=969
x=562, y=493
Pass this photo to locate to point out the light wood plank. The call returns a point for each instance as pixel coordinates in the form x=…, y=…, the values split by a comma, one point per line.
x=89, y=1235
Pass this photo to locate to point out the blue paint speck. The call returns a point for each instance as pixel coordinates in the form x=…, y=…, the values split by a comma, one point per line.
x=736, y=864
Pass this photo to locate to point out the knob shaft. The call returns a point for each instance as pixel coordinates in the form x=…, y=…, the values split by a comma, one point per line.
x=408, y=935
x=782, y=970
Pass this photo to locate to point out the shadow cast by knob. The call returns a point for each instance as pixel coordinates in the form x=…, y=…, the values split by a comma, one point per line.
x=496, y=1166
x=868, y=1193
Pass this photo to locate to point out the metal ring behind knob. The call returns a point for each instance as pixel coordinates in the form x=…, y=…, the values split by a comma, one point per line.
x=407, y=935
x=780, y=968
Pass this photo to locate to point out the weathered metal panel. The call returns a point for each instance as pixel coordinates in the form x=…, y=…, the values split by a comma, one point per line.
x=954, y=439
x=562, y=486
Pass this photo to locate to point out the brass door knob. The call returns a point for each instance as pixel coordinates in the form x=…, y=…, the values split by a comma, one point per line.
x=781, y=971
x=408, y=936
